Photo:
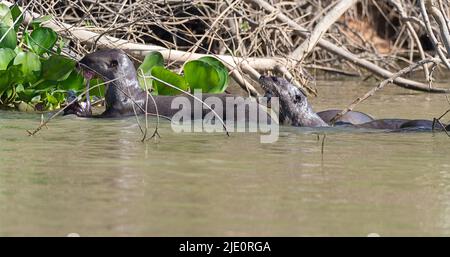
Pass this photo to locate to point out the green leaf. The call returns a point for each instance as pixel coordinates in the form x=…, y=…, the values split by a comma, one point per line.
x=42, y=40
x=45, y=85
x=29, y=65
x=36, y=23
x=16, y=15
x=201, y=75
x=9, y=95
x=151, y=60
x=28, y=95
x=60, y=45
x=51, y=99
x=36, y=98
x=4, y=81
x=9, y=36
x=19, y=88
x=57, y=68
x=73, y=82
x=96, y=91
x=5, y=15
x=60, y=96
x=10, y=77
x=6, y=56
x=221, y=69
x=16, y=74
x=169, y=77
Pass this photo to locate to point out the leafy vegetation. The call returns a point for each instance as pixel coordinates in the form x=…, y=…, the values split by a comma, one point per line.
x=206, y=74
x=35, y=76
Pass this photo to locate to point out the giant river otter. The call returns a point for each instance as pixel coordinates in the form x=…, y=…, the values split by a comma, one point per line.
x=295, y=110
x=124, y=96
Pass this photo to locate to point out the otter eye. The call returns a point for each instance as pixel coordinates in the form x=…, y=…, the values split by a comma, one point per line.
x=113, y=64
x=298, y=98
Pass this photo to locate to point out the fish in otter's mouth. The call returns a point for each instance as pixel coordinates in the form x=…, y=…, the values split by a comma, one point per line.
x=80, y=108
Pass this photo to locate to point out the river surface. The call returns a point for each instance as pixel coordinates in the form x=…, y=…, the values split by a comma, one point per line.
x=95, y=177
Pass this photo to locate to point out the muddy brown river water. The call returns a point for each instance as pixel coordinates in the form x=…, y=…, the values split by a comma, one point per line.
x=94, y=177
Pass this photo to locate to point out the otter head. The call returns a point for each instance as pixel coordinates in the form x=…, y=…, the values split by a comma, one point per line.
x=109, y=64
x=281, y=88
x=294, y=107
x=114, y=65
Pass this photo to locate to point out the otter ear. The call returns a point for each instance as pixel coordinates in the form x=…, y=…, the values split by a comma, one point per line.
x=113, y=64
